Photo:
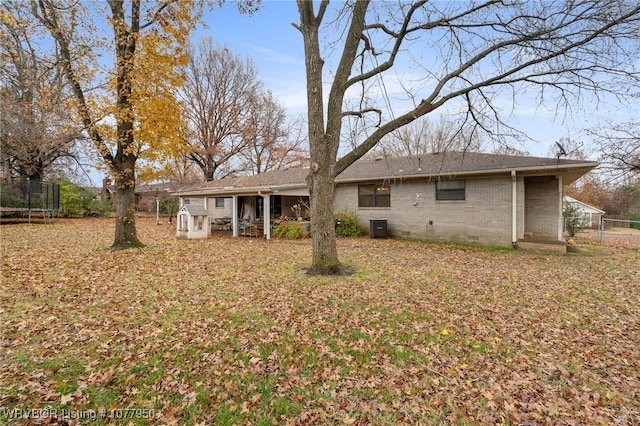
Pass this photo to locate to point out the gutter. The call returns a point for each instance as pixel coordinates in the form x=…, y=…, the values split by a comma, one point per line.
x=283, y=188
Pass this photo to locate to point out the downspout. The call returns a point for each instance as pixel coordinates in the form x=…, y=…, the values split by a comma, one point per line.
x=560, y=213
x=514, y=210
x=260, y=194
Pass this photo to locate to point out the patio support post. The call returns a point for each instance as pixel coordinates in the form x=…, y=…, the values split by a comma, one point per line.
x=234, y=215
x=267, y=216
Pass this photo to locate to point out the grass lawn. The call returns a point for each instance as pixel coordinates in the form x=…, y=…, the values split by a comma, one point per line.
x=231, y=331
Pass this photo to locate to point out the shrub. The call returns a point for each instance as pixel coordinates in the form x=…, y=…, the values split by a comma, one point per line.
x=7, y=200
x=635, y=220
x=291, y=230
x=76, y=201
x=573, y=222
x=347, y=224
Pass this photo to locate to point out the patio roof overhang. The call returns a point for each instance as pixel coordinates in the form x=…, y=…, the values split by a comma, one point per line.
x=292, y=190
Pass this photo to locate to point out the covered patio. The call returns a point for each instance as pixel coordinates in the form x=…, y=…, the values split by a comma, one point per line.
x=256, y=214
x=249, y=205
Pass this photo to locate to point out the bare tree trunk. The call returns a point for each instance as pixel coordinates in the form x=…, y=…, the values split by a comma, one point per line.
x=324, y=142
x=323, y=150
x=209, y=172
x=321, y=189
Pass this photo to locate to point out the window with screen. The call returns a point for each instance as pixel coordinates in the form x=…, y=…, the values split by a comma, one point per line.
x=450, y=190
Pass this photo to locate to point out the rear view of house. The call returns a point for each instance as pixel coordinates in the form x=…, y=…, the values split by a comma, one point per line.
x=487, y=199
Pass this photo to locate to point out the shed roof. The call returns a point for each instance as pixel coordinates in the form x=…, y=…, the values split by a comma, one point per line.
x=194, y=210
x=584, y=206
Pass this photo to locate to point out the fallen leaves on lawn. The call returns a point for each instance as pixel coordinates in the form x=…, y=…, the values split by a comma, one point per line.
x=232, y=331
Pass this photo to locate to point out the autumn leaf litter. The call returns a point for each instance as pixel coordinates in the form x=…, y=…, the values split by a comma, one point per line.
x=232, y=331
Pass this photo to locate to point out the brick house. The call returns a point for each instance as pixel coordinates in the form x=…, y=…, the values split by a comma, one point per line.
x=147, y=193
x=487, y=199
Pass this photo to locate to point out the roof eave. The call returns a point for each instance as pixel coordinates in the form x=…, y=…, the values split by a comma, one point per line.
x=570, y=172
x=559, y=168
x=595, y=209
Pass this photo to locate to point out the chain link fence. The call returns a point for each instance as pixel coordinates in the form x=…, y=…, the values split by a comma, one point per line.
x=617, y=229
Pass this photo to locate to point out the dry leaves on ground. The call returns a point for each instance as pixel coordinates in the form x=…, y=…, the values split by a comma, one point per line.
x=231, y=331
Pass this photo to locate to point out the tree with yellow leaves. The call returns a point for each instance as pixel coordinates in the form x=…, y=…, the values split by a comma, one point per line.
x=130, y=113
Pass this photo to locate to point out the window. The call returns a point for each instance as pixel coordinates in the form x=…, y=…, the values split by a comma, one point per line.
x=219, y=203
x=450, y=190
x=374, y=196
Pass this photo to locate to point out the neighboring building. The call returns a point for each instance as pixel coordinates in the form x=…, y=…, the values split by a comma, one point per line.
x=488, y=199
x=590, y=215
x=145, y=194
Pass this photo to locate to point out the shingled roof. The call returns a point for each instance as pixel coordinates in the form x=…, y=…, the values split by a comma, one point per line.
x=429, y=166
x=450, y=164
x=270, y=179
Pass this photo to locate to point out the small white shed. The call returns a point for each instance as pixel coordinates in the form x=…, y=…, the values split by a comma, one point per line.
x=193, y=222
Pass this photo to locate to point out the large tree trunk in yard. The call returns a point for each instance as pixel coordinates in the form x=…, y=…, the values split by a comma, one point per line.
x=125, y=235
x=321, y=189
x=323, y=148
x=123, y=164
x=124, y=169
x=325, y=141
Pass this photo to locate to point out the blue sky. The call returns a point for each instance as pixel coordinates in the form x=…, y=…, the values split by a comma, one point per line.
x=276, y=49
x=272, y=43
x=269, y=39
